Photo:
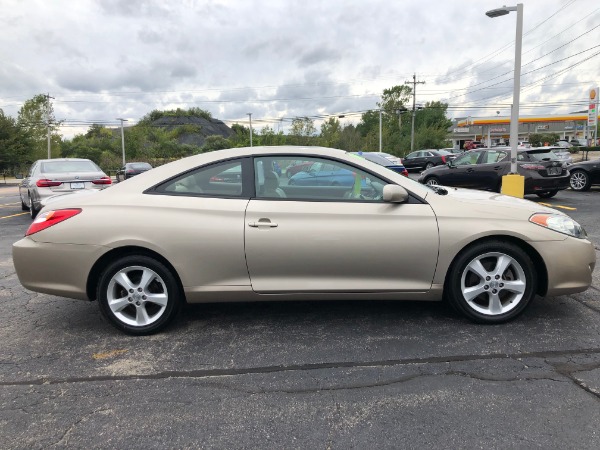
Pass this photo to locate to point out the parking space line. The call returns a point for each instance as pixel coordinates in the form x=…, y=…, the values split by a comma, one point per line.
x=8, y=204
x=568, y=208
x=14, y=215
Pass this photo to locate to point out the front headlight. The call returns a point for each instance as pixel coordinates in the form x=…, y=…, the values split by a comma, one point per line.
x=559, y=222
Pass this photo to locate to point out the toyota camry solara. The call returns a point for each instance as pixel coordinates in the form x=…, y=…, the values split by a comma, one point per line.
x=182, y=232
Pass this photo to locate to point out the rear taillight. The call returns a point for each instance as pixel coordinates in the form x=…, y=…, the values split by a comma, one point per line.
x=129, y=171
x=47, y=183
x=103, y=180
x=405, y=173
x=533, y=166
x=47, y=219
x=444, y=159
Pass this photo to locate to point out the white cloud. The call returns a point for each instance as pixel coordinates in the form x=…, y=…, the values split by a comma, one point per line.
x=108, y=58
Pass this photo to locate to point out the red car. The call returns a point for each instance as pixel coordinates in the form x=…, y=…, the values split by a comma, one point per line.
x=296, y=167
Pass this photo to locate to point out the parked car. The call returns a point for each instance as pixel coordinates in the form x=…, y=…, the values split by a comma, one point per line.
x=562, y=155
x=50, y=177
x=393, y=159
x=484, y=168
x=295, y=167
x=454, y=151
x=425, y=159
x=377, y=158
x=579, y=142
x=563, y=144
x=584, y=174
x=257, y=240
x=323, y=174
x=131, y=169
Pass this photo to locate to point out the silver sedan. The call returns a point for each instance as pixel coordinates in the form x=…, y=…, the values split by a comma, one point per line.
x=188, y=231
x=51, y=177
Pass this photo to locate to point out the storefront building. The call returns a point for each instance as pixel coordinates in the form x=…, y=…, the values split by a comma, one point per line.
x=496, y=130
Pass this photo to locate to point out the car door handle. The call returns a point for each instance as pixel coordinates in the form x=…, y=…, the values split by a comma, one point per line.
x=497, y=167
x=470, y=170
x=262, y=223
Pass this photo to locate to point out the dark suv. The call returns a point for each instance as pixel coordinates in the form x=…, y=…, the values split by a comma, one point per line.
x=483, y=169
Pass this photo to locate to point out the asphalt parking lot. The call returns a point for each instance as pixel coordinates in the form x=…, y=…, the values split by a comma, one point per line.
x=300, y=375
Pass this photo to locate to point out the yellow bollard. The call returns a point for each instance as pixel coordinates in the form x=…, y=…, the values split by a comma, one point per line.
x=513, y=184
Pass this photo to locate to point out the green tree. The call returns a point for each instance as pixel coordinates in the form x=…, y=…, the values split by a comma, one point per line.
x=302, y=131
x=34, y=117
x=267, y=136
x=216, y=142
x=330, y=133
x=15, y=145
x=240, y=137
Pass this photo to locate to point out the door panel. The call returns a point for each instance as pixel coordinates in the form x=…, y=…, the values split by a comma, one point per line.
x=296, y=246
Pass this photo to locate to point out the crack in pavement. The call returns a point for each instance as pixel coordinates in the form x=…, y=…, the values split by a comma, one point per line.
x=209, y=373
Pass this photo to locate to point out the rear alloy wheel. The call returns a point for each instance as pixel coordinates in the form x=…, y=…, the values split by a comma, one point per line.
x=428, y=166
x=491, y=282
x=547, y=194
x=138, y=295
x=432, y=181
x=580, y=180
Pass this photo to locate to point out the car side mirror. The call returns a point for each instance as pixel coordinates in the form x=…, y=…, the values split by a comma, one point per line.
x=392, y=193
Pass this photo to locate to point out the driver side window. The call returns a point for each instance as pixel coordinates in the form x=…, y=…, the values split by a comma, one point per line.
x=310, y=178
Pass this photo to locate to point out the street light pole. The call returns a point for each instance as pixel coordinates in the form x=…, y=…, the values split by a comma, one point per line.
x=513, y=183
x=250, y=116
x=122, y=138
x=380, y=128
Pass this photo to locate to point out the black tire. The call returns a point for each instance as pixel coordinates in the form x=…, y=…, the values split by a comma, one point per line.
x=24, y=207
x=124, y=306
x=580, y=180
x=491, y=300
x=432, y=181
x=429, y=165
x=33, y=211
x=548, y=194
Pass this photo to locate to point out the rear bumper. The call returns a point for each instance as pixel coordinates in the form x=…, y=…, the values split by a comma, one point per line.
x=540, y=184
x=57, y=269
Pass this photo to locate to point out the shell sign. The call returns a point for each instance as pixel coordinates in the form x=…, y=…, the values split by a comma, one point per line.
x=593, y=110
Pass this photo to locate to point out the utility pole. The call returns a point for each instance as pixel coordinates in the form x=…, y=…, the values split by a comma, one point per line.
x=414, y=82
x=380, y=139
x=122, y=138
x=48, y=120
x=250, y=116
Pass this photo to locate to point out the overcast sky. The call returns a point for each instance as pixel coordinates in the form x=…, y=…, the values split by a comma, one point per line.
x=282, y=59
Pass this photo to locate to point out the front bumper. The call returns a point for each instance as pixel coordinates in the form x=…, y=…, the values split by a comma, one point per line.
x=569, y=263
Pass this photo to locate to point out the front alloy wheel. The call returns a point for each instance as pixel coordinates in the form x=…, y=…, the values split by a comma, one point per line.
x=492, y=282
x=138, y=295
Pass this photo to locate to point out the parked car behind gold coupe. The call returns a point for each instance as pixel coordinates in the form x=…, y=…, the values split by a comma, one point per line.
x=187, y=233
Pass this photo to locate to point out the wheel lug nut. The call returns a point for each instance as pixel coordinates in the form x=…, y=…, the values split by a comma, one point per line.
x=138, y=303
x=129, y=298
x=494, y=291
x=131, y=291
x=501, y=284
x=497, y=277
x=486, y=287
x=487, y=278
x=144, y=297
x=139, y=289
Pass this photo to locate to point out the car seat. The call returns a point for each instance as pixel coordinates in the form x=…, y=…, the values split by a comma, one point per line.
x=271, y=187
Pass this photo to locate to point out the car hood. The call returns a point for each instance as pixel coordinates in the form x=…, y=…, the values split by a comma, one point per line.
x=485, y=203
